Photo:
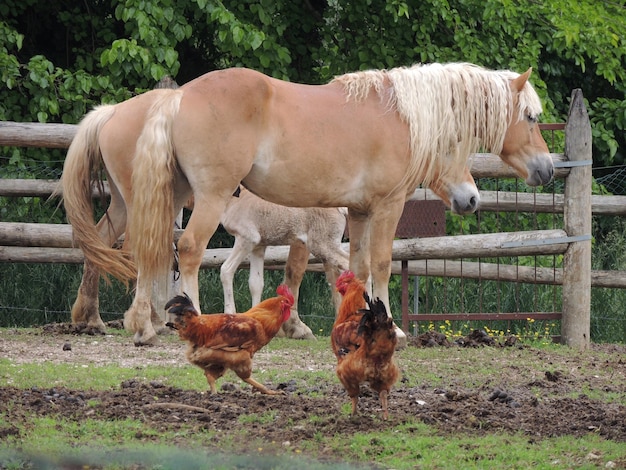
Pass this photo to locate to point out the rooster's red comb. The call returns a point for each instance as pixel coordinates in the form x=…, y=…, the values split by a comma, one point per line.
x=344, y=277
x=284, y=291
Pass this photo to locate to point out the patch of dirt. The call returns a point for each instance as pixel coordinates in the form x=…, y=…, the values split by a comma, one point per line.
x=561, y=406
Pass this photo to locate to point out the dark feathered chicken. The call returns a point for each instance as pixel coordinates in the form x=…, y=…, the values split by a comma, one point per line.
x=364, y=345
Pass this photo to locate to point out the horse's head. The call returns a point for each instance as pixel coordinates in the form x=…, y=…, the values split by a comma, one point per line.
x=458, y=192
x=524, y=148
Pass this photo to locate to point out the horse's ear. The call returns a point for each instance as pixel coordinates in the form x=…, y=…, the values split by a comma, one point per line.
x=518, y=83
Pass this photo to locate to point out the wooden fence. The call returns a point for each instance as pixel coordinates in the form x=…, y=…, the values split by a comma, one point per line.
x=52, y=243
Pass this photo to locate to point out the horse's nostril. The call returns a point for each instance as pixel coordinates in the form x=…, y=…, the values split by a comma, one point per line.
x=545, y=176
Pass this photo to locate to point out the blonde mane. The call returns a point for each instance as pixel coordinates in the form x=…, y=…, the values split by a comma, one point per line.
x=452, y=110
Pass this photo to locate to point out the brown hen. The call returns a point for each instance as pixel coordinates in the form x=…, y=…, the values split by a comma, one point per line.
x=222, y=341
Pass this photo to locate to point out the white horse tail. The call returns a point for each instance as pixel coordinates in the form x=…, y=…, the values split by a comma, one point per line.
x=151, y=224
x=82, y=167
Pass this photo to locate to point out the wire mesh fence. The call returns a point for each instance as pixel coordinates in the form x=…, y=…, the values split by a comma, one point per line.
x=35, y=294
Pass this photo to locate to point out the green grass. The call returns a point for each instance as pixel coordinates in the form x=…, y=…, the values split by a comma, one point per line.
x=120, y=444
x=43, y=442
x=417, y=444
x=96, y=377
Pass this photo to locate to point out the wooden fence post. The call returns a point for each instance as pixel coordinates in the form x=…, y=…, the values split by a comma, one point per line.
x=575, y=325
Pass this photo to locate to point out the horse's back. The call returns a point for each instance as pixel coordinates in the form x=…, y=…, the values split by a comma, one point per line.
x=119, y=135
x=286, y=140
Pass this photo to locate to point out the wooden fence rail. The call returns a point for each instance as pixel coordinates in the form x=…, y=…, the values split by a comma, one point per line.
x=45, y=243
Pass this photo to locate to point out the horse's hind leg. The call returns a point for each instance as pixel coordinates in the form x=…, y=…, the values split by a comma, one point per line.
x=193, y=242
x=294, y=272
x=86, y=307
x=137, y=318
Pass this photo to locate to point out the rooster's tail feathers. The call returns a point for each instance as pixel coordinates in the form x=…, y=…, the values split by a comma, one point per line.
x=180, y=304
x=375, y=317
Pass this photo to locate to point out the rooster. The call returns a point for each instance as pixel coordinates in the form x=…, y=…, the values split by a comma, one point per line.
x=344, y=338
x=364, y=341
x=218, y=342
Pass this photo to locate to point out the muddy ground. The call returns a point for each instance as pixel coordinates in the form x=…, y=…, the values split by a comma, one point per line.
x=557, y=403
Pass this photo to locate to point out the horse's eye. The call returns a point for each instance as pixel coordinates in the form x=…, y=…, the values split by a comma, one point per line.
x=532, y=119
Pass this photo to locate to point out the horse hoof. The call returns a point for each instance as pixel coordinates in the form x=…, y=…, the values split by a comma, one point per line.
x=141, y=341
x=88, y=328
x=304, y=333
x=163, y=330
x=402, y=339
x=305, y=336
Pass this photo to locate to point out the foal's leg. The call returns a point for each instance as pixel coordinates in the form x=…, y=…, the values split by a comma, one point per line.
x=294, y=272
x=255, y=279
x=335, y=261
x=241, y=248
x=333, y=271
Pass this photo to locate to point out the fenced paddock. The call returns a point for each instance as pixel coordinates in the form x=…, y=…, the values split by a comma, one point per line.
x=541, y=272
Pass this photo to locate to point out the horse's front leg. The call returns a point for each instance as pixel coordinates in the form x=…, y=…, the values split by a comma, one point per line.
x=358, y=228
x=295, y=268
x=382, y=232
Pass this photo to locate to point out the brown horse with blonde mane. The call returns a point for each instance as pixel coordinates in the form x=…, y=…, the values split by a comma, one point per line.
x=364, y=141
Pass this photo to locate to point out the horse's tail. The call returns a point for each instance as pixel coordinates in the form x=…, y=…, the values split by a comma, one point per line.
x=151, y=223
x=83, y=166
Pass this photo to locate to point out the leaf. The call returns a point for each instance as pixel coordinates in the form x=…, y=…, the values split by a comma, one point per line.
x=156, y=72
x=256, y=39
x=238, y=34
x=265, y=60
x=171, y=56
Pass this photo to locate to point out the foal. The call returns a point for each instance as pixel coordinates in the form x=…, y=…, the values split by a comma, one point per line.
x=257, y=224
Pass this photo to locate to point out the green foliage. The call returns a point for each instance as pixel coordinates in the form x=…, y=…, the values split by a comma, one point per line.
x=90, y=52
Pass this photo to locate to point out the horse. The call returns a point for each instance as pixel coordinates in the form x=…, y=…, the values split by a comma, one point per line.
x=257, y=224
x=364, y=141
